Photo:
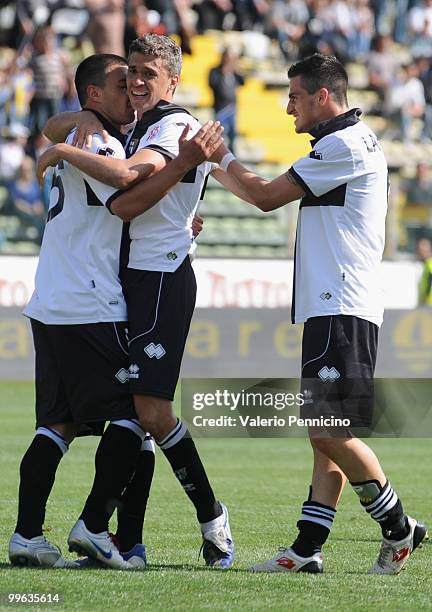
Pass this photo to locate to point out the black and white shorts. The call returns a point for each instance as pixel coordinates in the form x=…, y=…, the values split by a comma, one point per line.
x=82, y=374
x=160, y=309
x=338, y=363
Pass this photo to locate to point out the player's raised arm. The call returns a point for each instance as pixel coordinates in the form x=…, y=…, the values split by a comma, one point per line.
x=265, y=195
x=133, y=202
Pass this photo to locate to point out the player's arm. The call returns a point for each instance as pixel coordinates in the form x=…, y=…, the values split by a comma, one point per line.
x=265, y=195
x=129, y=204
x=58, y=127
x=119, y=173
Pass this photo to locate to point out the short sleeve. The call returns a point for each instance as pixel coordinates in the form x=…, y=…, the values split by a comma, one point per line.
x=112, y=148
x=329, y=165
x=164, y=137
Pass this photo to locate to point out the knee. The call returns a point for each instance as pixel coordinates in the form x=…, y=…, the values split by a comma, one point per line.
x=328, y=446
x=155, y=415
x=67, y=430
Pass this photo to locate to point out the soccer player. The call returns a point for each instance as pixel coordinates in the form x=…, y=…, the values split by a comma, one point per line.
x=78, y=317
x=159, y=282
x=342, y=185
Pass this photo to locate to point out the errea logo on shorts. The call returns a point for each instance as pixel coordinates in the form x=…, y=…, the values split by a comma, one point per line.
x=154, y=350
x=329, y=374
x=122, y=375
x=133, y=370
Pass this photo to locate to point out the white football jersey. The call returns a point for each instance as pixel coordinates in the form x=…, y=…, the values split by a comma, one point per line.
x=341, y=223
x=162, y=236
x=77, y=278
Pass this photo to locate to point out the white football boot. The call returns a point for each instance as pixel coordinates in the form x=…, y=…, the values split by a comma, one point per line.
x=218, y=546
x=393, y=555
x=37, y=552
x=96, y=545
x=288, y=561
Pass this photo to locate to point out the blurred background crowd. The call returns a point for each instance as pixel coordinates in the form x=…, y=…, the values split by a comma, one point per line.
x=236, y=56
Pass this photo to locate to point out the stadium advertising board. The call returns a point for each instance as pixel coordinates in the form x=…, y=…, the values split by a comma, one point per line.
x=248, y=342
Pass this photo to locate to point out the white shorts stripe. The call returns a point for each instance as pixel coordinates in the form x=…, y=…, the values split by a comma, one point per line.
x=325, y=350
x=156, y=313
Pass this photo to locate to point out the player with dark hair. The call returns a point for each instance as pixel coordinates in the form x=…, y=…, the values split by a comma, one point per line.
x=342, y=185
x=78, y=316
x=159, y=282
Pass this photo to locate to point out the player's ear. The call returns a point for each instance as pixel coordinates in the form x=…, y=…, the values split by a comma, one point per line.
x=173, y=83
x=323, y=96
x=93, y=92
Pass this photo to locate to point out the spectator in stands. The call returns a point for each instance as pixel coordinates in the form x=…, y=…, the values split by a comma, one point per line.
x=140, y=21
x=420, y=28
x=211, y=14
x=424, y=253
x=224, y=80
x=253, y=14
x=425, y=75
x=362, y=31
x=419, y=188
x=337, y=26
x=69, y=101
x=49, y=68
x=382, y=67
x=12, y=151
x=26, y=197
x=405, y=100
x=107, y=25
x=287, y=21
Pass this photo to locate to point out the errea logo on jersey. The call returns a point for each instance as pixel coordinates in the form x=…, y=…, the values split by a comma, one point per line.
x=154, y=350
x=172, y=256
x=326, y=295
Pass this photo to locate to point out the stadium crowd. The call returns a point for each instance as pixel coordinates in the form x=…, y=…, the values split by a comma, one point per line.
x=42, y=41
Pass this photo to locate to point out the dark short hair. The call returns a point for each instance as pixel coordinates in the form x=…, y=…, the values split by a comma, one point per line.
x=159, y=46
x=93, y=71
x=318, y=71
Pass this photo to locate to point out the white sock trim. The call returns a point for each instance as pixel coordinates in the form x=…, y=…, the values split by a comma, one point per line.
x=174, y=436
x=132, y=425
x=148, y=444
x=55, y=436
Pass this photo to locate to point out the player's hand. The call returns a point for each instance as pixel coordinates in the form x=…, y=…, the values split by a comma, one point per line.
x=197, y=225
x=201, y=146
x=88, y=124
x=50, y=157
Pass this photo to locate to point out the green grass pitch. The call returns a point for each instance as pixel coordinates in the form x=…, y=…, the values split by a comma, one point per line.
x=263, y=483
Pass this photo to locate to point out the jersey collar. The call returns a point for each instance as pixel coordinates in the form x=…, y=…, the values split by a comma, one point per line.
x=335, y=124
x=113, y=131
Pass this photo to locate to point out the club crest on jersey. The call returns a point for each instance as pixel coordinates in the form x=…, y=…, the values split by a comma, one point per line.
x=153, y=132
x=132, y=146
